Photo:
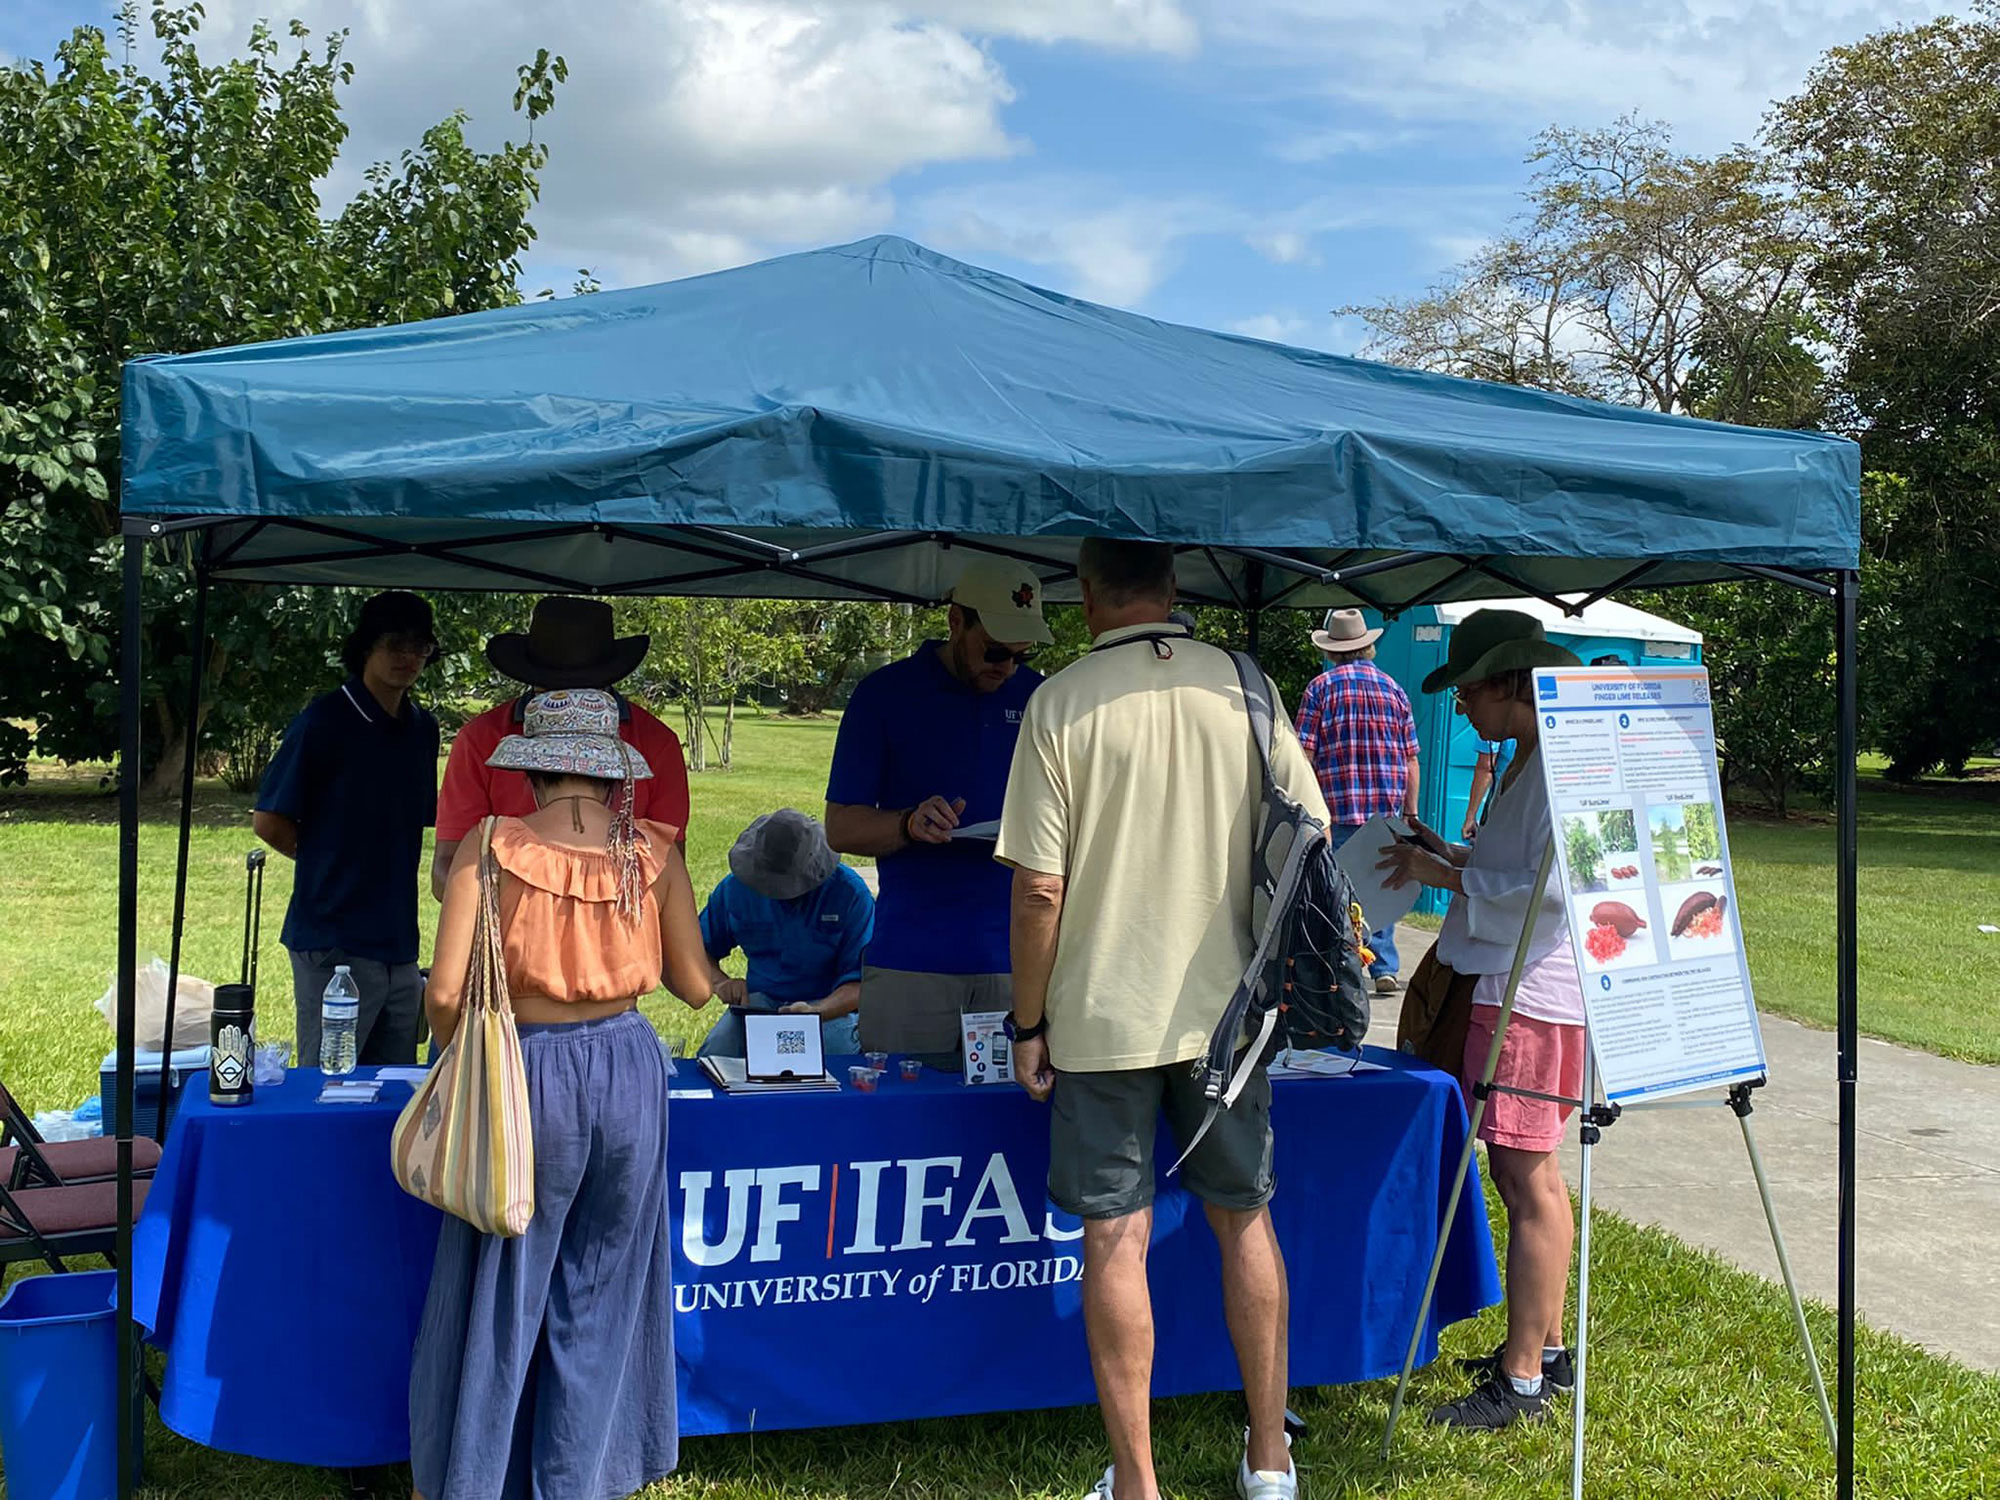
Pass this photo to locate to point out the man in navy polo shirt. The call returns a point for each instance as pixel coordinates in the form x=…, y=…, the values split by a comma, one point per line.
x=923, y=754
x=348, y=796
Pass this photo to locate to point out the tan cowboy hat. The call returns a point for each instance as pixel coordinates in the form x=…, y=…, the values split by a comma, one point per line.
x=569, y=644
x=1345, y=630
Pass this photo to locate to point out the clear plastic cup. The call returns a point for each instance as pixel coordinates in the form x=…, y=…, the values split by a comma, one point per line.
x=864, y=1078
x=912, y=1070
x=879, y=1061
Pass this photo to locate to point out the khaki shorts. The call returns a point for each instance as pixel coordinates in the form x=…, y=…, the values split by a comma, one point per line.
x=1101, y=1132
x=918, y=1014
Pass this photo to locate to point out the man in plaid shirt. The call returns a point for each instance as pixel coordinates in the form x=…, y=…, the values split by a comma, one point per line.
x=1356, y=727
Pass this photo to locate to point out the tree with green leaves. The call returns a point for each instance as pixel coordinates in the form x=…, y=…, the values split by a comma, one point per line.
x=1892, y=142
x=174, y=211
x=1680, y=283
x=1635, y=274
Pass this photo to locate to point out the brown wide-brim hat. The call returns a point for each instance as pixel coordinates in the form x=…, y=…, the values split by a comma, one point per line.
x=569, y=644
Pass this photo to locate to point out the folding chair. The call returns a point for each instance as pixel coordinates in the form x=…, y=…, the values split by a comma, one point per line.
x=49, y=1223
x=27, y=1161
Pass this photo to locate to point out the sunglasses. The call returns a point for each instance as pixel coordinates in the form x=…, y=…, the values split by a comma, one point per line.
x=997, y=654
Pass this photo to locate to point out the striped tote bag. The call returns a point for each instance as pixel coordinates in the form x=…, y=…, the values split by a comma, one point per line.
x=463, y=1142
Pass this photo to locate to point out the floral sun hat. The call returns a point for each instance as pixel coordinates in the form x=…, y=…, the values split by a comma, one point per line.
x=571, y=732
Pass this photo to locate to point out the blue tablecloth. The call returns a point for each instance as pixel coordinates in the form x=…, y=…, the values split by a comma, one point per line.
x=840, y=1258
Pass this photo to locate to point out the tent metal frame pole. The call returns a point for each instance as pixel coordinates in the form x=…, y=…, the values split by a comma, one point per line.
x=1623, y=581
x=1791, y=579
x=1253, y=609
x=1847, y=589
x=197, y=667
x=1278, y=599
x=130, y=662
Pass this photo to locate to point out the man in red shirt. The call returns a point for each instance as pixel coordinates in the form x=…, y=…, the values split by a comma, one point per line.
x=569, y=644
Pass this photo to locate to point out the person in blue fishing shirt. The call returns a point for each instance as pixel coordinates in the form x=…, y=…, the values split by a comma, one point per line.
x=803, y=920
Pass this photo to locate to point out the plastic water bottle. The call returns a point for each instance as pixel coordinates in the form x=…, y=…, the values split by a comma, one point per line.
x=339, y=1020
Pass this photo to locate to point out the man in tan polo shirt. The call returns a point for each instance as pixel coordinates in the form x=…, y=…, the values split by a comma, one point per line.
x=1128, y=822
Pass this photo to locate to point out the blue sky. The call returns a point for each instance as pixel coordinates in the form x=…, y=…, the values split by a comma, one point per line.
x=1240, y=164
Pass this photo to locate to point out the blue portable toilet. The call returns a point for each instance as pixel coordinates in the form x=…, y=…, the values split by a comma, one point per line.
x=1416, y=643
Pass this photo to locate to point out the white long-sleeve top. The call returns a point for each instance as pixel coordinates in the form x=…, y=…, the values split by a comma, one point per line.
x=1483, y=926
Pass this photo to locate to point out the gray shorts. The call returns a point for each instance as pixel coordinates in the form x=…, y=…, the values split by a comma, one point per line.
x=1102, y=1128
x=390, y=1023
x=918, y=1014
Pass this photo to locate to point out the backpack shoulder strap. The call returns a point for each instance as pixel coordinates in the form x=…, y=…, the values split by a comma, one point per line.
x=1263, y=713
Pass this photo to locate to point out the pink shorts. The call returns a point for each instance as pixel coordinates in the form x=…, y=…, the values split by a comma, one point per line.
x=1539, y=1055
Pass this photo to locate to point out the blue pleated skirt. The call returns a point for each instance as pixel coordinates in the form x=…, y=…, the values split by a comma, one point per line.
x=544, y=1368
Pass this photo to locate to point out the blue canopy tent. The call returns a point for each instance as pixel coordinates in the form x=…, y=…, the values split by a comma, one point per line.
x=834, y=424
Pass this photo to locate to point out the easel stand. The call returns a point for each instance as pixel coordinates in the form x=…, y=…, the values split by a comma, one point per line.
x=1592, y=1118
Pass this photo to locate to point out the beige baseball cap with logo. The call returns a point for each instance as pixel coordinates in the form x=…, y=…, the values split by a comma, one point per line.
x=1007, y=596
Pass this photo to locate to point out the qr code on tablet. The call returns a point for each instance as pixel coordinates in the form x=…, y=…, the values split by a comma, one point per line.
x=791, y=1043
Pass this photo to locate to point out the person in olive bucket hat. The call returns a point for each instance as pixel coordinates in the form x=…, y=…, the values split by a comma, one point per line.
x=569, y=643
x=1453, y=1004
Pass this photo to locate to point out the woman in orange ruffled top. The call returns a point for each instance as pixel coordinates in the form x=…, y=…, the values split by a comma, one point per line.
x=545, y=1363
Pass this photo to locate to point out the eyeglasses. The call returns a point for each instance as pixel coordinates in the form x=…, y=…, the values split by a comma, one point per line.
x=410, y=645
x=997, y=654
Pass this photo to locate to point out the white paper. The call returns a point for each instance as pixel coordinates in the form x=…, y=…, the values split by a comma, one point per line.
x=1642, y=848
x=412, y=1076
x=1359, y=856
x=988, y=831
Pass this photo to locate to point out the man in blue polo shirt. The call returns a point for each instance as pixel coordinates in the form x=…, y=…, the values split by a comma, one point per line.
x=348, y=796
x=921, y=761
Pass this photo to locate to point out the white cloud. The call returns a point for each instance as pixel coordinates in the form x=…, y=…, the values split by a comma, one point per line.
x=1121, y=25
x=1275, y=328
x=1284, y=247
x=1324, y=145
x=1098, y=244
x=1710, y=67
x=694, y=134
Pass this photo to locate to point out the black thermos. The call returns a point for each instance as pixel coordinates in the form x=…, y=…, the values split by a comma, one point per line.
x=232, y=1040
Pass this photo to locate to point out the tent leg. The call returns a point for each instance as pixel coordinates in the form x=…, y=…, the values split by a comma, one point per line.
x=197, y=651
x=130, y=661
x=1847, y=791
x=1253, y=614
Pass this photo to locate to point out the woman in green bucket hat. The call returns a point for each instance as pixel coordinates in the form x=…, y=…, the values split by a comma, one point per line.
x=1453, y=1004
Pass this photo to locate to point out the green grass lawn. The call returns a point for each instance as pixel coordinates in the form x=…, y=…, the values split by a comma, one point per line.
x=59, y=899
x=1700, y=1391
x=1697, y=1387
x=1930, y=875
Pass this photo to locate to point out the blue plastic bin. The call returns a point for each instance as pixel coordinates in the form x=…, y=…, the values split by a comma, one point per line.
x=59, y=1387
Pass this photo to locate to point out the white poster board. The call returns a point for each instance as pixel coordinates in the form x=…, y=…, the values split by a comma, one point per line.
x=1642, y=851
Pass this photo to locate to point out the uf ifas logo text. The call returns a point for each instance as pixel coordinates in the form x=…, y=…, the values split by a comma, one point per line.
x=896, y=1206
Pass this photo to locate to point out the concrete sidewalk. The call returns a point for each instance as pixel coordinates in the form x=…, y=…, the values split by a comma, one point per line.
x=1928, y=1189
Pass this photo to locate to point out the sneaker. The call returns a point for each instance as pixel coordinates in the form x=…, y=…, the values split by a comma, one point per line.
x=1493, y=1406
x=1558, y=1369
x=1102, y=1489
x=1387, y=984
x=1263, y=1484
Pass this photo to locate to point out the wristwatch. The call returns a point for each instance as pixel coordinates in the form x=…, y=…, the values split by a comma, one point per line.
x=1019, y=1033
